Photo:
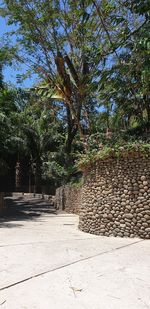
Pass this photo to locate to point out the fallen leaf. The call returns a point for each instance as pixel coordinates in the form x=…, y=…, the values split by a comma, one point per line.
x=76, y=289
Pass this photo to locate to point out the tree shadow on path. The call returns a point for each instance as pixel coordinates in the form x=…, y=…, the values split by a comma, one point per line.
x=20, y=209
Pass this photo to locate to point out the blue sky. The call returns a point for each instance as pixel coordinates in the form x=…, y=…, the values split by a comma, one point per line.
x=10, y=73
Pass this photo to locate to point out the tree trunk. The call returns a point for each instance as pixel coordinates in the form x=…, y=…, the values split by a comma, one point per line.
x=18, y=178
x=73, y=122
x=71, y=131
x=30, y=181
x=38, y=177
x=147, y=104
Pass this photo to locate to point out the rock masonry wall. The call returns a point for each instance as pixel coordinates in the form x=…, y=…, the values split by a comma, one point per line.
x=68, y=199
x=116, y=198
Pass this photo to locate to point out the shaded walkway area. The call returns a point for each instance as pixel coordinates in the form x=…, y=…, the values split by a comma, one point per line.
x=46, y=262
x=22, y=209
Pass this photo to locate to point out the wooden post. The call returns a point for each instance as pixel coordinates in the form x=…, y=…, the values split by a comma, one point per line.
x=2, y=202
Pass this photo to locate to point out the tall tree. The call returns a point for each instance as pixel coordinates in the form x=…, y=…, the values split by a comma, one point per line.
x=57, y=36
x=69, y=43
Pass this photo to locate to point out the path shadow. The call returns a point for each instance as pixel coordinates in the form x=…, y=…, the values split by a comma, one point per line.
x=20, y=209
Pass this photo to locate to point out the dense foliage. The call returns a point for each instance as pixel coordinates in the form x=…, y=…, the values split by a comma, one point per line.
x=93, y=61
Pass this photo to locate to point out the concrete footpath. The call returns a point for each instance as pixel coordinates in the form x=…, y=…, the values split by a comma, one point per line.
x=47, y=263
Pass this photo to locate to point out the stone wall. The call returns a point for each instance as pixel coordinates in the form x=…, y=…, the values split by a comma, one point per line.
x=59, y=198
x=68, y=198
x=116, y=198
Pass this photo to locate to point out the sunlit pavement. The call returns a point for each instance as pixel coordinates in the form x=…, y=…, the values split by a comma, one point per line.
x=47, y=263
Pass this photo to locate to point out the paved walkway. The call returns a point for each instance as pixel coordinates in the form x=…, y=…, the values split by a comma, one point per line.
x=47, y=263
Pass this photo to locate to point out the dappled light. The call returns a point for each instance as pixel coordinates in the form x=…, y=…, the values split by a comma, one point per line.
x=19, y=210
